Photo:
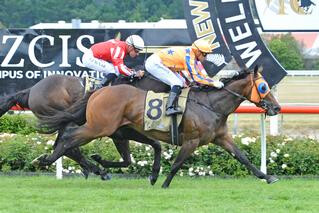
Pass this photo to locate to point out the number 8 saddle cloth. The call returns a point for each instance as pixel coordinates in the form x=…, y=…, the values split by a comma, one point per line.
x=154, y=114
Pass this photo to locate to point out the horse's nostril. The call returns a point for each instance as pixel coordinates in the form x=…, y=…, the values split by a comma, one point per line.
x=277, y=108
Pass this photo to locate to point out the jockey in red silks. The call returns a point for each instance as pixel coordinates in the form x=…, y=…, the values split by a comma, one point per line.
x=108, y=57
x=176, y=66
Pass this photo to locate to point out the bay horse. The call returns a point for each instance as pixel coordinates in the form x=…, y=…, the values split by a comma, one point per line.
x=204, y=120
x=58, y=92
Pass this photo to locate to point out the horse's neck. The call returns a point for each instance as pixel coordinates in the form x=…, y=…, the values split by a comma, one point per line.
x=224, y=102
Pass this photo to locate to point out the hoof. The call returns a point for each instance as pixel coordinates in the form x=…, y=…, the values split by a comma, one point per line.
x=106, y=176
x=85, y=173
x=152, y=179
x=272, y=179
x=164, y=186
x=38, y=162
x=96, y=157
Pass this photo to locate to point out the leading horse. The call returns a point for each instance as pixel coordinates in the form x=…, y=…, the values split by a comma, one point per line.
x=59, y=92
x=204, y=120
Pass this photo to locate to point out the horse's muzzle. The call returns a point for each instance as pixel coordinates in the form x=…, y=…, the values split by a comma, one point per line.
x=273, y=111
x=270, y=108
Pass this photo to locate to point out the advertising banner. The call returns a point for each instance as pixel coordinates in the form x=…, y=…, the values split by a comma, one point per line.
x=288, y=15
x=244, y=40
x=27, y=55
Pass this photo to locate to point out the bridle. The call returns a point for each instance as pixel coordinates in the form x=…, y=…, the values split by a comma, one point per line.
x=262, y=102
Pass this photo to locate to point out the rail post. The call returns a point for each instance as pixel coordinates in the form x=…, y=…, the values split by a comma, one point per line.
x=59, y=168
x=273, y=120
x=263, y=163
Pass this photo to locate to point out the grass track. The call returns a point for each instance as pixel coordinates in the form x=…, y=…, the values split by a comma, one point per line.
x=46, y=194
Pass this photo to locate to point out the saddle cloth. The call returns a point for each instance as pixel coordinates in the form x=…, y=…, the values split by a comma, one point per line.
x=155, y=106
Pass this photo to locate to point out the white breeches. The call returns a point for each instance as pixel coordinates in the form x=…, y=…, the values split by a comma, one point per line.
x=155, y=66
x=96, y=64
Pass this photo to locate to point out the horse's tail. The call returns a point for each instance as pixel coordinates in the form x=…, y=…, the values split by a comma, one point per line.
x=58, y=119
x=21, y=98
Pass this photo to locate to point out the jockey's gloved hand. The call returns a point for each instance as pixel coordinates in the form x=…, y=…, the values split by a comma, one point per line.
x=218, y=84
x=138, y=74
x=235, y=73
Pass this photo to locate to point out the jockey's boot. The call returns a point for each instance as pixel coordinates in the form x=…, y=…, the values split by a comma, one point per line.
x=109, y=78
x=171, y=106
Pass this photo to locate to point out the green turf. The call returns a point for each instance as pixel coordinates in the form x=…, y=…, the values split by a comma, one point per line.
x=46, y=194
x=298, y=89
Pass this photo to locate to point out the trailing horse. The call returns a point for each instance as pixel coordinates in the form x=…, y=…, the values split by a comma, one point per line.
x=58, y=92
x=204, y=121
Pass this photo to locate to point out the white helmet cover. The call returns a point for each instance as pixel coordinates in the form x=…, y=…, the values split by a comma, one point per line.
x=136, y=41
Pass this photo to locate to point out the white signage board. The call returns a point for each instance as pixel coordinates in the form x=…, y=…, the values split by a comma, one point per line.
x=288, y=15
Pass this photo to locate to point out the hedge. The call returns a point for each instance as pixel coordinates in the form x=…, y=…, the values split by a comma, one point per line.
x=23, y=124
x=285, y=155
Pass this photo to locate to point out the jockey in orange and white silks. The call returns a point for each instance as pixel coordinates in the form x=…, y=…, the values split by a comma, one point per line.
x=173, y=65
x=108, y=57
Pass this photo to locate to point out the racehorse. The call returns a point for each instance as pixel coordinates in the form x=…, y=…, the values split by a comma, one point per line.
x=204, y=120
x=58, y=92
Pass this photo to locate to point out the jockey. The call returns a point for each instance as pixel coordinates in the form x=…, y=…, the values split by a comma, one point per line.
x=176, y=66
x=107, y=57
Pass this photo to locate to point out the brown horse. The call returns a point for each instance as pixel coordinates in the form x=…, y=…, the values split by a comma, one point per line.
x=204, y=120
x=59, y=92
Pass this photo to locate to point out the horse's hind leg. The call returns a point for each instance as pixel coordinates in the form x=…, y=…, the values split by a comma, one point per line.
x=227, y=143
x=76, y=155
x=187, y=149
x=87, y=167
x=122, y=146
x=72, y=138
x=136, y=136
x=21, y=98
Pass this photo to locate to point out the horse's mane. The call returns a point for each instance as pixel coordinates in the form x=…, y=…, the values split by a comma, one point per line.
x=241, y=74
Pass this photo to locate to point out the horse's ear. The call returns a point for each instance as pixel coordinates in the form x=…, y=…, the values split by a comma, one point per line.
x=260, y=69
x=256, y=69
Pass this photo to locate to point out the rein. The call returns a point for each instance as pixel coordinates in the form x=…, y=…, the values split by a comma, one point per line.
x=243, y=97
x=210, y=108
x=231, y=92
x=237, y=95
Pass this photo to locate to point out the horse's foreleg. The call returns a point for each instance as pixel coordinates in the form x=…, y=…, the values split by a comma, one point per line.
x=227, y=143
x=187, y=149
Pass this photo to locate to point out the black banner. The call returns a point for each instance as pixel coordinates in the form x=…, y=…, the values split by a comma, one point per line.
x=202, y=23
x=27, y=56
x=244, y=40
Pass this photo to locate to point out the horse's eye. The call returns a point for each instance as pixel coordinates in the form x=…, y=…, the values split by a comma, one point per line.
x=262, y=88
